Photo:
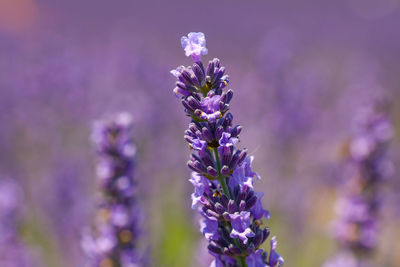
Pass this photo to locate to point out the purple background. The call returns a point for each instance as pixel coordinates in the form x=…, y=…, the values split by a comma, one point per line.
x=300, y=71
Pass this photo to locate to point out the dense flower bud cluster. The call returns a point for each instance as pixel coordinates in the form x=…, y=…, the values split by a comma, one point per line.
x=222, y=176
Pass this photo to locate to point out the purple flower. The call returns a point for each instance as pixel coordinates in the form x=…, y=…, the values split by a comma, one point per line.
x=117, y=229
x=223, y=261
x=227, y=140
x=211, y=104
x=240, y=226
x=199, y=145
x=209, y=227
x=200, y=187
x=258, y=211
x=358, y=207
x=274, y=259
x=344, y=259
x=222, y=176
x=176, y=72
x=243, y=175
x=12, y=250
x=256, y=259
x=239, y=178
x=194, y=45
x=247, y=168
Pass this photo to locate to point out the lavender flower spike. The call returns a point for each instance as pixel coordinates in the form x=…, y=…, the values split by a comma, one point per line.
x=114, y=241
x=358, y=207
x=222, y=176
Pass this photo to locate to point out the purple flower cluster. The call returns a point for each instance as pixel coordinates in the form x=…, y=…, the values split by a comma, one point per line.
x=13, y=253
x=358, y=208
x=114, y=240
x=222, y=176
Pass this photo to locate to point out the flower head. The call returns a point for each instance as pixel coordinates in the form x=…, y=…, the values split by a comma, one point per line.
x=222, y=176
x=358, y=207
x=194, y=45
x=114, y=241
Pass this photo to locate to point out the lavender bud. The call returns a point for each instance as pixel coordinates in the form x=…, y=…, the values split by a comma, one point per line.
x=218, y=132
x=219, y=208
x=251, y=202
x=231, y=206
x=225, y=170
x=242, y=205
x=236, y=131
x=207, y=134
x=212, y=172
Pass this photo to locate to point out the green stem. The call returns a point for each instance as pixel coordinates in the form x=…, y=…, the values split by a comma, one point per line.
x=225, y=189
x=221, y=179
x=242, y=261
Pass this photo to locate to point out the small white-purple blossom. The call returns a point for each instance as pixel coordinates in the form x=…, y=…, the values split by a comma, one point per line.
x=194, y=45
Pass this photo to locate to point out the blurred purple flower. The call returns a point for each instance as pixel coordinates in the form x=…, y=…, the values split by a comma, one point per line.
x=13, y=253
x=358, y=207
x=115, y=239
x=344, y=259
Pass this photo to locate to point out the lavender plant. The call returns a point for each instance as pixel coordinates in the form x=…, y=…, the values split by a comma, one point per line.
x=13, y=253
x=114, y=241
x=222, y=176
x=358, y=207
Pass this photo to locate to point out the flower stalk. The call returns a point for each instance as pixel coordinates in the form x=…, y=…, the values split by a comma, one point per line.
x=360, y=198
x=114, y=241
x=222, y=176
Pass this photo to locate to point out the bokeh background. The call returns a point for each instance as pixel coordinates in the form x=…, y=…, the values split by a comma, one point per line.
x=300, y=71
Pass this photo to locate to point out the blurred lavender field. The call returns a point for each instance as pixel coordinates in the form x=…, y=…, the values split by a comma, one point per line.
x=300, y=71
